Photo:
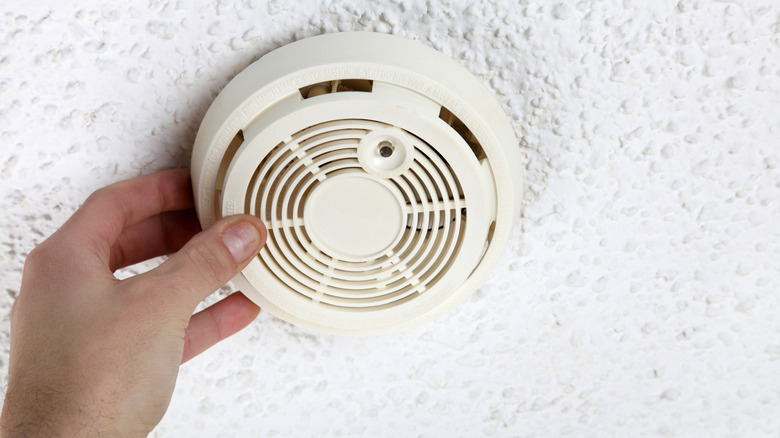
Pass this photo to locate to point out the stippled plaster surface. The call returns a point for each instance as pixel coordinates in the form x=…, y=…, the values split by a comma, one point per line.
x=642, y=297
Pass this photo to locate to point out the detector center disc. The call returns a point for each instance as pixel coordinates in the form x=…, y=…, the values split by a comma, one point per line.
x=353, y=217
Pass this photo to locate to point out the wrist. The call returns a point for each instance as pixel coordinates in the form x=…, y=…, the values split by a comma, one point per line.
x=46, y=413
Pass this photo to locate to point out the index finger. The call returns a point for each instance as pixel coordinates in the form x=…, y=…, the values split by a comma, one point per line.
x=108, y=211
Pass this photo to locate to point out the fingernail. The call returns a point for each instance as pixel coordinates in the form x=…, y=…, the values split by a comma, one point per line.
x=242, y=240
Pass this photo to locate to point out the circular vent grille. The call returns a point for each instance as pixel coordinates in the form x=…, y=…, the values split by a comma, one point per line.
x=388, y=192
x=432, y=205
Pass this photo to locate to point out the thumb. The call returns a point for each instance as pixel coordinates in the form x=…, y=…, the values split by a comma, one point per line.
x=212, y=258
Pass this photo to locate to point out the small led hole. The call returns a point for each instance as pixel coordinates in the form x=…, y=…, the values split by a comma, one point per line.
x=386, y=149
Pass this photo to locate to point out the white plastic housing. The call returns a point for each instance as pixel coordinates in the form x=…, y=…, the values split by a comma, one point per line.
x=387, y=175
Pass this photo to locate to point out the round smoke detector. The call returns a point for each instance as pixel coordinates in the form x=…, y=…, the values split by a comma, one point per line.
x=387, y=175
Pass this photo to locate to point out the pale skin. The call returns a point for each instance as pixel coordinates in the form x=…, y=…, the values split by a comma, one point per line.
x=92, y=355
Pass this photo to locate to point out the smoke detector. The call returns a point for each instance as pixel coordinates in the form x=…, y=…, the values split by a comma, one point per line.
x=387, y=175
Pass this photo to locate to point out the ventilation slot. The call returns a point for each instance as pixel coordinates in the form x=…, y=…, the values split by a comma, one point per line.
x=230, y=152
x=337, y=86
x=463, y=131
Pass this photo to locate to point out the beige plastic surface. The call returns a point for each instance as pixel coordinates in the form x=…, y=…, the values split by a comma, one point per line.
x=387, y=175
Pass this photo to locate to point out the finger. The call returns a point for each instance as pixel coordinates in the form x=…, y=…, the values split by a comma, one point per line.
x=216, y=323
x=107, y=212
x=158, y=235
x=209, y=260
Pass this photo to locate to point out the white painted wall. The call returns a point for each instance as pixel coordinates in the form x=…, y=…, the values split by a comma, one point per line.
x=642, y=297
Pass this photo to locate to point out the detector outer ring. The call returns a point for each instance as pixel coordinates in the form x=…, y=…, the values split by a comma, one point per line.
x=379, y=57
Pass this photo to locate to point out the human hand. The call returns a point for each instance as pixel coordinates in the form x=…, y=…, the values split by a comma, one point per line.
x=92, y=355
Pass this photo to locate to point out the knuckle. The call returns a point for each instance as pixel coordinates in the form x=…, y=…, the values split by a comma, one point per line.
x=209, y=263
x=39, y=258
x=97, y=195
x=105, y=197
x=34, y=259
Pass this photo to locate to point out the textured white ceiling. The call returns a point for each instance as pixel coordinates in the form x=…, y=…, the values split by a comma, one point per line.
x=641, y=295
